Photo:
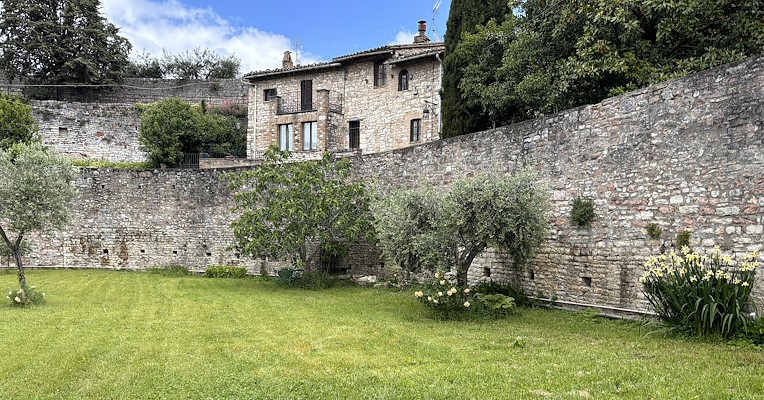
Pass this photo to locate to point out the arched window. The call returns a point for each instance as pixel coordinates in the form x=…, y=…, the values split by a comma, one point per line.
x=403, y=80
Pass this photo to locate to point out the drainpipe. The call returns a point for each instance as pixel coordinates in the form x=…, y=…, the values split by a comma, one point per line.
x=440, y=79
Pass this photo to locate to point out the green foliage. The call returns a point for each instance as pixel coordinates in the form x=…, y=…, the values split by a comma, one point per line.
x=755, y=330
x=91, y=163
x=16, y=122
x=582, y=212
x=507, y=289
x=197, y=64
x=225, y=271
x=308, y=280
x=497, y=302
x=25, y=297
x=450, y=301
x=459, y=116
x=171, y=127
x=299, y=210
x=654, y=231
x=682, y=239
x=60, y=41
x=169, y=270
x=700, y=294
x=144, y=66
x=424, y=229
x=552, y=56
x=36, y=189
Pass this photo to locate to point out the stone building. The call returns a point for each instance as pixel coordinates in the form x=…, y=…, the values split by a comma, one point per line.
x=367, y=102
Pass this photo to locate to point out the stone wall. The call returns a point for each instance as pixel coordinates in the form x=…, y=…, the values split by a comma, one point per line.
x=141, y=90
x=685, y=154
x=90, y=130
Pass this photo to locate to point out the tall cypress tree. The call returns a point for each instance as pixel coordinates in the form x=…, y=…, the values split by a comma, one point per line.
x=60, y=41
x=464, y=16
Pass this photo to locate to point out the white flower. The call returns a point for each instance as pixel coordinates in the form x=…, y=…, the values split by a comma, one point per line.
x=17, y=299
x=467, y=304
x=442, y=283
x=449, y=293
x=440, y=294
x=435, y=301
x=466, y=291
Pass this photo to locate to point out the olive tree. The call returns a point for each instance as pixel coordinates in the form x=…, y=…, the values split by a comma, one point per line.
x=425, y=229
x=36, y=189
x=299, y=210
x=17, y=125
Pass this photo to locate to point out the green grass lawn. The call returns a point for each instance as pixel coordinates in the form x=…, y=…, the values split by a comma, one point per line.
x=105, y=334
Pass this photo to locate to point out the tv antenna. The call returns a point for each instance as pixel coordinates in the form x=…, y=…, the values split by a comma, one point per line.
x=297, y=49
x=434, y=11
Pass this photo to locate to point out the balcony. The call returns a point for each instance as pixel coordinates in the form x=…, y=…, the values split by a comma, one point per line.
x=296, y=102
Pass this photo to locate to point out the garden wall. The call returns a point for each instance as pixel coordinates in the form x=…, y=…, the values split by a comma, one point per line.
x=686, y=154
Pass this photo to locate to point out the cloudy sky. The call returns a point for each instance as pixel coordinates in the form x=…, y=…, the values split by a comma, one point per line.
x=258, y=32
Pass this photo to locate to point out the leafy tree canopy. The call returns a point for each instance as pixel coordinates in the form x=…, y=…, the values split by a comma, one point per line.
x=554, y=55
x=16, y=122
x=197, y=64
x=424, y=229
x=60, y=42
x=36, y=189
x=299, y=210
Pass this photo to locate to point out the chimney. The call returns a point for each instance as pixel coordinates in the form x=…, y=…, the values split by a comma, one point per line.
x=286, y=62
x=422, y=38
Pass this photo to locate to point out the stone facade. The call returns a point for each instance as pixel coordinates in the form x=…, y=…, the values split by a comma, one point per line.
x=90, y=130
x=685, y=154
x=344, y=91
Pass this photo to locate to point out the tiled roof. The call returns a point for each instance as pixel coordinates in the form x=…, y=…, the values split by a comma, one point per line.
x=399, y=52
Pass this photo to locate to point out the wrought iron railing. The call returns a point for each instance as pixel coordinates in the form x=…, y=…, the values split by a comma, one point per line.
x=295, y=102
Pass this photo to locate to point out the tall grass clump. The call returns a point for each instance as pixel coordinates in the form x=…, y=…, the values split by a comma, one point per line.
x=698, y=293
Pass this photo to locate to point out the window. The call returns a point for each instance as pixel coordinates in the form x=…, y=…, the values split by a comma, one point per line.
x=310, y=135
x=380, y=75
x=286, y=137
x=403, y=80
x=355, y=134
x=306, y=95
x=416, y=130
x=269, y=93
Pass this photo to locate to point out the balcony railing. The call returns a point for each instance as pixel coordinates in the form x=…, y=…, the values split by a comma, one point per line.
x=295, y=102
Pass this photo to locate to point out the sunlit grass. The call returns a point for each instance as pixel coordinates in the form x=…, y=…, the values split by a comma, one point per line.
x=112, y=334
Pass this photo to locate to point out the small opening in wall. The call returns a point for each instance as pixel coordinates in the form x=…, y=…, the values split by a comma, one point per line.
x=140, y=186
x=105, y=251
x=486, y=272
x=237, y=255
x=143, y=251
x=63, y=131
x=103, y=186
x=587, y=281
x=208, y=254
x=175, y=252
x=532, y=275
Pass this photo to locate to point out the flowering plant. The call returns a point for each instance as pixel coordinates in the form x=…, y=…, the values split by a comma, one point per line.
x=706, y=294
x=25, y=297
x=450, y=300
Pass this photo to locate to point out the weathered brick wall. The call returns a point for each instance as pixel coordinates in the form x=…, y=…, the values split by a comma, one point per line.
x=90, y=130
x=686, y=154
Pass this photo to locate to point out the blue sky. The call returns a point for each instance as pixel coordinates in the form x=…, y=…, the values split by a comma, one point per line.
x=258, y=32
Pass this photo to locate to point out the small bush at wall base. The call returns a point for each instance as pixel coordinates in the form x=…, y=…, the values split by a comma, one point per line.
x=169, y=270
x=25, y=297
x=449, y=301
x=654, y=231
x=506, y=289
x=313, y=280
x=582, y=213
x=225, y=271
x=683, y=239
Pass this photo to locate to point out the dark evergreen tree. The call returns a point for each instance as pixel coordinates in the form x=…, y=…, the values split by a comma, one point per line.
x=60, y=42
x=465, y=16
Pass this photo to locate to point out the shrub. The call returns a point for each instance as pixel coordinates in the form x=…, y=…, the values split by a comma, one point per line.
x=683, y=239
x=26, y=297
x=169, y=270
x=582, y=213
x=506, y=289
x=451, y=301
x=654, y=231
x=700, y=294
x=225, y=271
x=313, y=280
x=755, y=330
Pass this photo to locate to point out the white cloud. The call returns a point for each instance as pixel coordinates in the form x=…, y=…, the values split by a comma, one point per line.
x=156, y=25
x=404, y=37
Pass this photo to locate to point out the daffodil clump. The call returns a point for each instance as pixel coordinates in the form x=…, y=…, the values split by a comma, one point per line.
x=25, y=297
x=702, y=293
